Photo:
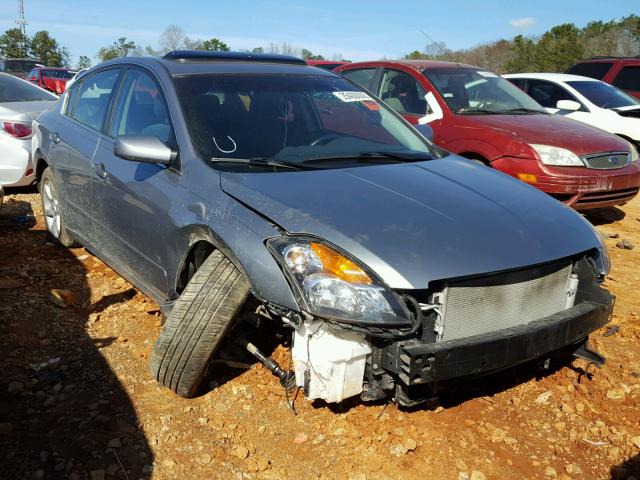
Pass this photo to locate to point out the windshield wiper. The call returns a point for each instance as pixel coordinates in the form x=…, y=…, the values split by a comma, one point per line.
x=473, y=111
x=370, y=156
x=523, y=110
x=260, y=162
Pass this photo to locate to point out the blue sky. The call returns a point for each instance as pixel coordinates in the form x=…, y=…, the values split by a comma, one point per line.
x=357, y=30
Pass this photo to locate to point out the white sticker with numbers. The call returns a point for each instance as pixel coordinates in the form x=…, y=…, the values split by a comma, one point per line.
x=352, y=96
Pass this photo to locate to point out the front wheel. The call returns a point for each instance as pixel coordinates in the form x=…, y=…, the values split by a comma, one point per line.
x=52, y=210
x=198, y=322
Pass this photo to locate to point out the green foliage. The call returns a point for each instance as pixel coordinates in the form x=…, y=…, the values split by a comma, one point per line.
x=120, y=48
x=83, y=62
x=45, y=48
x=13, y=44
x=554, y=51
x=308, y=55
x=214, y=45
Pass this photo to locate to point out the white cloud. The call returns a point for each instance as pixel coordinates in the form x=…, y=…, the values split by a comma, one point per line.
x=525, y=22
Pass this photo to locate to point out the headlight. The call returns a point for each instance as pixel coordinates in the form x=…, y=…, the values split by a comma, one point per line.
x=557, y=156
x=335, y=286
x=634, y=152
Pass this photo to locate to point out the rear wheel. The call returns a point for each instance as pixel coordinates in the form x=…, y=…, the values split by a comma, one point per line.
x=197, y=324
x=52, y=210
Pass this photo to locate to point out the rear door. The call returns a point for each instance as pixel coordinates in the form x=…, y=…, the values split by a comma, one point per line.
x=133, y=199
x=74, y=143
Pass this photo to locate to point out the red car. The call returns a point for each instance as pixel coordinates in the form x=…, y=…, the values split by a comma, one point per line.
x=53, y=79
x=326, y=64
x=479, y=115
x=621, y=72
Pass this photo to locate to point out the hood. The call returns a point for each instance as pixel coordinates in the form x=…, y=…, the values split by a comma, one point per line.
x=56, y=85
x=554, y=130
x=21, y=111
x=414, y=223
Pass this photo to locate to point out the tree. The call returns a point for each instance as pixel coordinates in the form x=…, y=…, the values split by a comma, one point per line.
x=559, y=48
x=14, y=44
x=173, y=38
x=523, y=55
x=120, y=48
x=214, y=45
x=308, y=55
x=45, y=48
x=83, y=62
x=258, y=50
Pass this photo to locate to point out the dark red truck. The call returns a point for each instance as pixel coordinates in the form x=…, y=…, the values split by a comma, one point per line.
x=53, y=79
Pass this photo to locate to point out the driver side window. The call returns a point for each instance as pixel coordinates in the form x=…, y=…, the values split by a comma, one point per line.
x=141, y=109
x=403, y=93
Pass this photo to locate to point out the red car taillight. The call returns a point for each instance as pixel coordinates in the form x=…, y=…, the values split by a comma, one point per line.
x=17, y=129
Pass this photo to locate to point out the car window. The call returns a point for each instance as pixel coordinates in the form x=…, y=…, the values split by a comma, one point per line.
x=63, y=74
x=141, y=109
x=94, y=96
x=33, y=74
x=294, y=118
x=628, y=79
x=363, y=77
x=546, y=93
x=470, y=91
x=70, y=99
x=13, y=89
x=403, y=93
x=518, y=82
x=591, y=69
x=604, y=95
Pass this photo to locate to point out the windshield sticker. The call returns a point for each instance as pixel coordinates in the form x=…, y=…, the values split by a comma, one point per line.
x=486, y=74
x=352, y=96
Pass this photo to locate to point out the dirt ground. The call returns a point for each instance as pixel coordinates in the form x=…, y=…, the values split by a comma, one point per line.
x=77, y=400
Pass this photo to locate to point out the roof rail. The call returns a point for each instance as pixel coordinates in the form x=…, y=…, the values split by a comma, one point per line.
x=611, y=57
x=204, y=56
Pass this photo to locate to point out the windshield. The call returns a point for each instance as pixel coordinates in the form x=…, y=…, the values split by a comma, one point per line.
x=293, y=118
x=13, y=89
x=604, y=95
x=470, y=91
x=64, y=74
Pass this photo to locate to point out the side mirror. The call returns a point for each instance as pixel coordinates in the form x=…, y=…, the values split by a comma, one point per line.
x=143, y=148
x=570, y=105
x=434, y=108
x=425, y=130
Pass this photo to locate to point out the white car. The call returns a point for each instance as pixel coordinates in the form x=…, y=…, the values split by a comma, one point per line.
x=20, y=103
x=584, y=99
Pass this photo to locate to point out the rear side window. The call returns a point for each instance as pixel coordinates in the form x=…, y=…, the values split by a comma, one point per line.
x=547, y=94
x=94, y=96
x=141, y=109
x=628, y=79
x=363, y=77
x=13, y=89
x=591, y=69
x=518, y=82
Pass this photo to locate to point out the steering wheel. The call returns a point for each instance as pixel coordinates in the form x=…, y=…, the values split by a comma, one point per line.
x=324, y=139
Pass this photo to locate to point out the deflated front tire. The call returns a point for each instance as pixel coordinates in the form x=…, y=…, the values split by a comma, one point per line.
x=197, y=324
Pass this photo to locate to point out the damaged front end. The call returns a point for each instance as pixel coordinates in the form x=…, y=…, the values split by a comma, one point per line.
x=357, y=336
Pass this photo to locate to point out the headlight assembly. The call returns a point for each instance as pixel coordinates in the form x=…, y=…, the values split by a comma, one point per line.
x=557, y=156
x=335, y=286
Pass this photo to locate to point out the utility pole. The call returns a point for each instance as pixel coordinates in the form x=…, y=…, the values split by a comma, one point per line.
x=22, y=25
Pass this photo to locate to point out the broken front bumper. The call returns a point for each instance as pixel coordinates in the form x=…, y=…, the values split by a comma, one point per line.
x=419, y=367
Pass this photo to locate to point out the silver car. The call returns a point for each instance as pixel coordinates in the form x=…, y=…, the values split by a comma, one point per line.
x=238, y=190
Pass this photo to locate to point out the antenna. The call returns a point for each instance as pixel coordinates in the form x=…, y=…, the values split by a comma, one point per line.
x=22, y=24
x=442, y=50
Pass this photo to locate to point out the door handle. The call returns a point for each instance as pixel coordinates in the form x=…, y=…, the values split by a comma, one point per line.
x=101, y=171
x=54, y=137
